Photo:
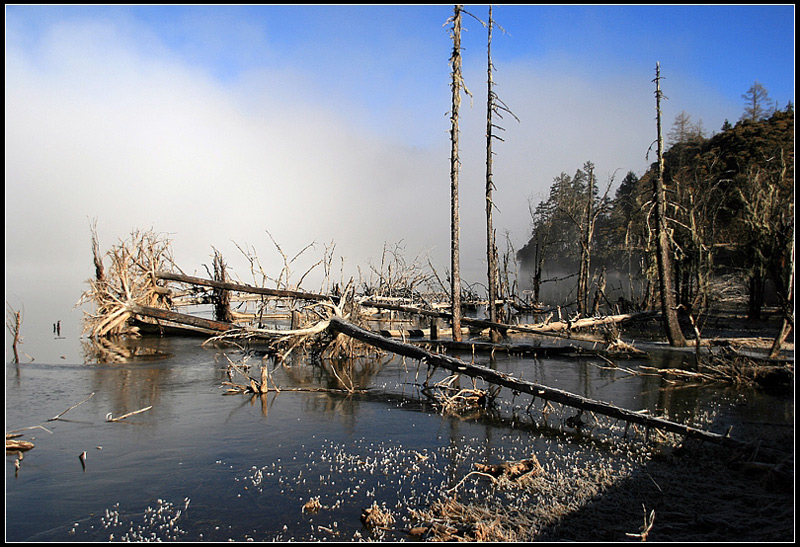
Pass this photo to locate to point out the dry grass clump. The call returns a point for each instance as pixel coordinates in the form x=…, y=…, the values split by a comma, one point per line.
x=450, y=520
x=376, y=517
x=520, y=503
x=129, y=280
x=312, y=506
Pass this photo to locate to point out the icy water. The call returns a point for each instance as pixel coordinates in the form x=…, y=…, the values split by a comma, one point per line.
x=209, y=466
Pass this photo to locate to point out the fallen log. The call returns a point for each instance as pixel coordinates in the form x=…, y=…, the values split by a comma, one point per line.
x=487, y=347
x=557, y=326
x=546, y=329
x=208, y=325
x=213, y=327
x=302, y=295
x=525, y=386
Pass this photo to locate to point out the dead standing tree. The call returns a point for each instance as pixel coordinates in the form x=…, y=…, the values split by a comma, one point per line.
x=456, y=86
x=586, y=242
x=220, y=298
x=493, y=108
x=663, y=258
x=14, y=325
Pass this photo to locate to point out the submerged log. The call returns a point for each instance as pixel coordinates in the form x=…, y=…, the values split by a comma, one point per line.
x=525, y=386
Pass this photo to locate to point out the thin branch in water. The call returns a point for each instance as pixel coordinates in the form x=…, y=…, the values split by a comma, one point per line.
x=110, y=418
x=70, y=408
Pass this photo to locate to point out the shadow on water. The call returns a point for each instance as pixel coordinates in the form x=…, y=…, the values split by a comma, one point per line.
x=204, y=465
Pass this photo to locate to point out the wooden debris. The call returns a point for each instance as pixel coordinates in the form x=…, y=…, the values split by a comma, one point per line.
x=14, y=325
x=512, y=470
x=544, y=329
x=70, y=408
x=110, y=418
x=130, y=280
x=524, y=386
x=645, y=529
x=618, y=348
x=13, y=444
x=259, y=388
x=454, y=399
x=301, y=295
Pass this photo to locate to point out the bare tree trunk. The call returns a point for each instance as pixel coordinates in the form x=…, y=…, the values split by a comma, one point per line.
x=665, y=279
x=14, y=324
x=586, y=247
x=221, y=297
x=600, y=293
x=537, y=272
x=788, y=312
x=491, y=246
x=99, y=269
x=457, y=83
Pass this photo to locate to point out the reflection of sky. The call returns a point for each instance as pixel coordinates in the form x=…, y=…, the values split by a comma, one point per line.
x=215, y=124
x=200, y=444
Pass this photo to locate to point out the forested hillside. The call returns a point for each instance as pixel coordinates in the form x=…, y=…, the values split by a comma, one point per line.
x=730, y=211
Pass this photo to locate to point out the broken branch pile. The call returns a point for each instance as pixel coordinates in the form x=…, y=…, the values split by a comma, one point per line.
x=130, y=281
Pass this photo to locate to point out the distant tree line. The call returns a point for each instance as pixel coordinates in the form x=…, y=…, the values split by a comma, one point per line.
x=729, y=209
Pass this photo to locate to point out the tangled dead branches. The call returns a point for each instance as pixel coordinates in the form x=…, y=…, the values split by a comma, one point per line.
x=129, y=280
x=453, y=399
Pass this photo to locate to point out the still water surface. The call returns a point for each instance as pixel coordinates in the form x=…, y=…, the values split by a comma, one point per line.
x=203, y=465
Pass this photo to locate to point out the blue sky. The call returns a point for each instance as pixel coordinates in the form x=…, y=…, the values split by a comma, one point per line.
x=330, y=124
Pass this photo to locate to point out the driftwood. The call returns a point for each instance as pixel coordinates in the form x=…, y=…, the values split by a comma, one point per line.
x=208, y=326
x=15, y=445
x=525, y=386
x=111, y=418
x=517, y=349
x=558, y=326
x=70, y=408
x=220, y=329
x=545, y=329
